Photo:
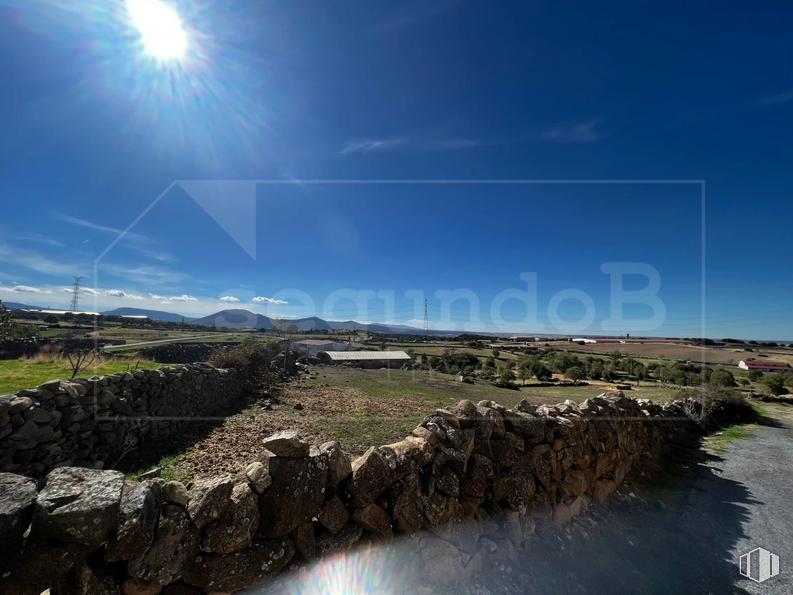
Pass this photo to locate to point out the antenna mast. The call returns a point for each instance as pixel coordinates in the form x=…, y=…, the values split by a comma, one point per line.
x=74, y=307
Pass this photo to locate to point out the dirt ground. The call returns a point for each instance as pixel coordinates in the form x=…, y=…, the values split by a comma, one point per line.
x=358, y=408
x=728, y=356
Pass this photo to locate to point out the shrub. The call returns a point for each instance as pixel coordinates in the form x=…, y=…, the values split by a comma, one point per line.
x=722, y=377
x=775, y=383
x=712, y=406
x=260, y=363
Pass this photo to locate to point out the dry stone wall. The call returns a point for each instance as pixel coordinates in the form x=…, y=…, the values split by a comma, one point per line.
x=470, y=481
x=90, y=423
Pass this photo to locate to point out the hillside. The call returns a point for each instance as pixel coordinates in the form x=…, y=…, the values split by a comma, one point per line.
x=235, y=318
x=153, y=314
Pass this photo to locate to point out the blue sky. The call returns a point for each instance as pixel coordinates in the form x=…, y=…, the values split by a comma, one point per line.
x=94, y=130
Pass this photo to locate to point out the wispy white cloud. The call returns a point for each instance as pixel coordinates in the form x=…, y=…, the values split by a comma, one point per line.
x=174, y=298
x=584, y=132
x=229, y=298
x=369, y=145
x=123, y=294
x=144, y=274
x=85, y=290
x=779, y=98
x=135, y=241
x=25, y=289
x=37, y=238
x=267, y=300
x=29, y=259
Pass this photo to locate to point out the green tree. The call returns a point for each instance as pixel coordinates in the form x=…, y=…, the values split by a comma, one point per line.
x=540, y=371
x=755, y=375
x=524, y=372
x=575, y=374
x=506, y=378
x=596, y=371
x=51, y=319
x=11, y=330
x=743, y=381
x=496, y=353
x=722, y=377
x=775, y=384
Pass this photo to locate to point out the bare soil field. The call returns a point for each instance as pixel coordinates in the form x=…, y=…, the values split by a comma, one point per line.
x=358, y=408
x=727, y=356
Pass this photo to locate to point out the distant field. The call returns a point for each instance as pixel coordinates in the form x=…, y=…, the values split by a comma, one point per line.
x=18, y=374
x=654, y=392
x=359, y=408
x=722, y=355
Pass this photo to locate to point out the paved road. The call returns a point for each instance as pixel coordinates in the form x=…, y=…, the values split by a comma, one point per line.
x=179, y=340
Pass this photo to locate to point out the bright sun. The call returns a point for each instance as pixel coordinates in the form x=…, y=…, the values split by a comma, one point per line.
x=163, y=36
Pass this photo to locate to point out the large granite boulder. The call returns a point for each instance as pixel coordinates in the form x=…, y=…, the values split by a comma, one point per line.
x=286, y=444
x=17, y=498
x=244, y=569
x=339, y=465
x=407, y=504
x=333, y=514
x=140, y=510
x=78, y=506
x=209, y=499
x=175, y=543
x=294, y=497
x=371, y=475
x=235, y=529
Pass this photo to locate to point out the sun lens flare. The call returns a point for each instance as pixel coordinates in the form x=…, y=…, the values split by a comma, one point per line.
x=160, y=27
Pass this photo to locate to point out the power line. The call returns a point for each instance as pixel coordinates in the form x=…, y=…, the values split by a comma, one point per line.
x=426, y=318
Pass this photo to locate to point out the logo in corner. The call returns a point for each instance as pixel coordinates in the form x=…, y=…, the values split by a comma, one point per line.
x=759, y=565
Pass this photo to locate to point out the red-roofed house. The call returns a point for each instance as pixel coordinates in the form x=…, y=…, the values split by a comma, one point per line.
x=753, y=364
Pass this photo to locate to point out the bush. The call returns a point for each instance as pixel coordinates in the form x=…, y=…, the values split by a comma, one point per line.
x=714, y=406
x=722, y=377
x=260, y=363
x=775, y=383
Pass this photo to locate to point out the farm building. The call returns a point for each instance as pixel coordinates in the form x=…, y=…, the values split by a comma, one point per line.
x=312, y=347
x=753, y=364
x=368, y=359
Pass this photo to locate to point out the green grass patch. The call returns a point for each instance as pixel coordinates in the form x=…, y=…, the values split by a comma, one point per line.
x=18, y=374
x=174, y=468
x=719, y=441
x=360, y=431
x=440, y=389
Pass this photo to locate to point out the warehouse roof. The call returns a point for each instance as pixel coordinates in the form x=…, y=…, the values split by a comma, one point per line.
x=356, y=356
x=753, y=363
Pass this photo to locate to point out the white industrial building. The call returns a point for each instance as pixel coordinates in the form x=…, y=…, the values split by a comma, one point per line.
x=368, y=359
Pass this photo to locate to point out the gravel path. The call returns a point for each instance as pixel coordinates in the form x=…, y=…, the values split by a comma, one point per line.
x=681, y=536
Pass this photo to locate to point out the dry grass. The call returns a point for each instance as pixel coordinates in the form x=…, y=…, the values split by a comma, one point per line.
x=728, y=356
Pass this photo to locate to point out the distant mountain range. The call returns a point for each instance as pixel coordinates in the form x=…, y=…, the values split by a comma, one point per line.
x=238, y=318
x=18, y=306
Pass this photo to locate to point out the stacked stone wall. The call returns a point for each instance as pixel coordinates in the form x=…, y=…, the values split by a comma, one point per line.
x=92, y=422
x=470, y=481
